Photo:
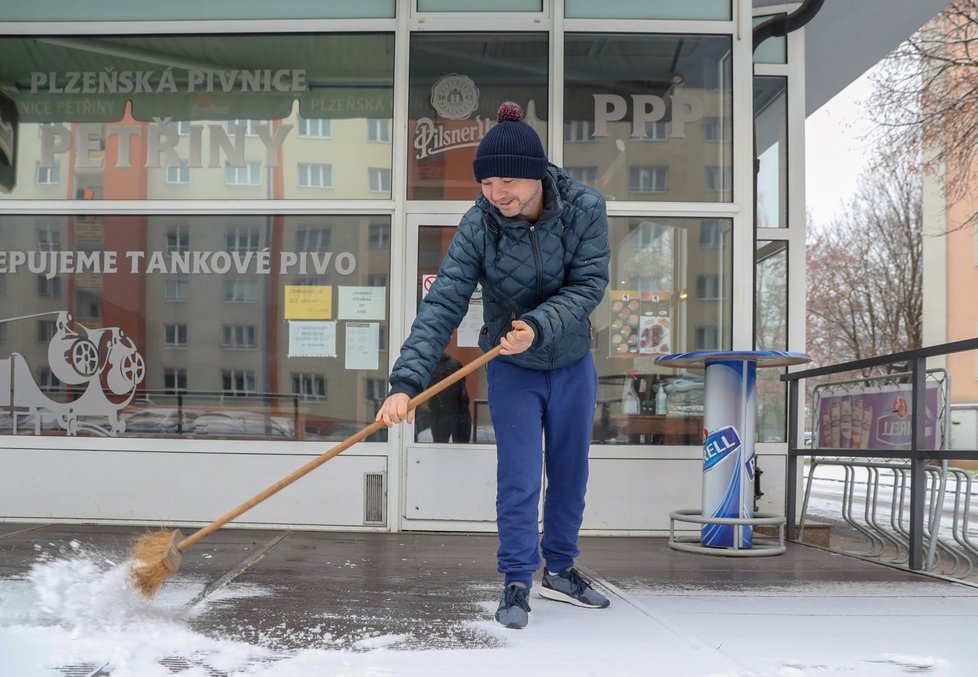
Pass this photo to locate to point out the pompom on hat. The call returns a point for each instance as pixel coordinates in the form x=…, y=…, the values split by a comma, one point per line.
x=511, y=149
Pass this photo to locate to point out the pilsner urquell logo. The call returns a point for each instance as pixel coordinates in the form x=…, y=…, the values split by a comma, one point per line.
x=719, y=444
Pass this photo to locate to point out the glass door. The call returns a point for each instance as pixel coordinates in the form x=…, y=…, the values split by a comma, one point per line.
x=450, y=457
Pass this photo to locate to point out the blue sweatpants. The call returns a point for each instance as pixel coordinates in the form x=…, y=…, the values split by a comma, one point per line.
x=542, y=419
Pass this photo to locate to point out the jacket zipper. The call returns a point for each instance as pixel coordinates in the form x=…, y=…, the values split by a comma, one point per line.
x=538, y=262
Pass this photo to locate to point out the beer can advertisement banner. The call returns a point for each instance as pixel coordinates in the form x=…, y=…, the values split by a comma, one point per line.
x=728, y=452
x=877, y=418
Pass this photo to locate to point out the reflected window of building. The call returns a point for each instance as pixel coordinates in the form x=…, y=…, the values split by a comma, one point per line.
x=178, y=175
x=576, y=131
x=48, y=237
x=675, y=90
x=648, y=179
x=380, y=180
x=48, y=287
x=175, y=335
x=380, y=236
x=377, y=280
x=315, y=175
x=174, y=380
x=707, y=338
x=313, y=239
x=378, y=130
x=656, y=131
x=716, y=130
x=239, y=336
x=457, y=82
x=718, y=180
x=47, y=381
x=246, y=175
x=177, y=289
x=309, y=386
x=46, y=330
x=238, y=382
x=318, y=128
x=242, y=239
x=88, y=305
x=711, y=234
x=241, y=290
x=248, y=127
x=48, y=175
x=586, y=175
x=708, y=287
x=177, y=239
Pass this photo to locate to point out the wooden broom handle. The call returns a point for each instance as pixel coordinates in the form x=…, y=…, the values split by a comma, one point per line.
x=335, y=451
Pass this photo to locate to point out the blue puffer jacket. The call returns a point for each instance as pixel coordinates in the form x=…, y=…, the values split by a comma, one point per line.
x=550, y=274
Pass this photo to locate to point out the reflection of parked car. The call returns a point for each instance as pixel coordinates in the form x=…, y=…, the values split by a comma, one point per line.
x=166, y=421
x=232, y=423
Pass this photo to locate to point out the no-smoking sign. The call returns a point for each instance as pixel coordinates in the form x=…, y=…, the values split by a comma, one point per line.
x=426, y=282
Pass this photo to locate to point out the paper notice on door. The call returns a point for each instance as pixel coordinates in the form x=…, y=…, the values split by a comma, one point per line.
x=362, y=345
x=471, y=325
x=312, y=302
x=312, y=339
x=362, y=303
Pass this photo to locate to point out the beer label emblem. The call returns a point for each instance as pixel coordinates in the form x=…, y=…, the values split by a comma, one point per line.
x=454, y=97
x=719, y=444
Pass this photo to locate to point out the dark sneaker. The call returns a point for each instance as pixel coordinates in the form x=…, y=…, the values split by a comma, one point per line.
x=571, y=587
x=514, y=607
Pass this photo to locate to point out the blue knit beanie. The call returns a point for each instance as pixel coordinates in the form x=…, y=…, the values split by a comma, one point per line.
x=511, y=150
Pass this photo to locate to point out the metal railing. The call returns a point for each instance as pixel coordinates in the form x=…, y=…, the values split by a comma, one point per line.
x=916, y=456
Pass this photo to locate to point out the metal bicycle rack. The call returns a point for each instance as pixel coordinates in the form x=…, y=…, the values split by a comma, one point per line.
x=875, y=493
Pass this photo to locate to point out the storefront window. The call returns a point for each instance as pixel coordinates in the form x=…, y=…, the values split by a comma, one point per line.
x=649, y=117
x=199, y=117
x=180, y=10
x=648, y=9
x=772, y=50
x=480, y=5
x=771, y=146
x=670, y=292
x=457, y=82
x=272, y=327
x=771, y=333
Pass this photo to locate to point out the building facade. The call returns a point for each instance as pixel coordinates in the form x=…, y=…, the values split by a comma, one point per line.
x=950, y=245
x=215, y=233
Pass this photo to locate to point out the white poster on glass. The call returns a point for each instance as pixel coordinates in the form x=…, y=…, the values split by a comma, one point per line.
x=312, y=339
x=362, y=345
x=362, y=303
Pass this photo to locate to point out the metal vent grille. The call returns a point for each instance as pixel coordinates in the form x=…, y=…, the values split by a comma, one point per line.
x=374, y=498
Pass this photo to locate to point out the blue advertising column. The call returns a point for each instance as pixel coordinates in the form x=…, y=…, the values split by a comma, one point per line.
x=729, y=415
x=728, y=450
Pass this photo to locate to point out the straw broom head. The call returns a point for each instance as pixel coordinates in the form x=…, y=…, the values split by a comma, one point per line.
x=155, y=556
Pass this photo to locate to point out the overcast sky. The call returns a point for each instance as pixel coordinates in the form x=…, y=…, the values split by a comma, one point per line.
x=836, y=150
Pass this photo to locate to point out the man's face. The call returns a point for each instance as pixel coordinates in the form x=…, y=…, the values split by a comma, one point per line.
x=515, y=198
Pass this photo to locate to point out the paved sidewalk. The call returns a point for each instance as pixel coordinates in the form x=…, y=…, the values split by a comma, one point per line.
x=432, y=597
